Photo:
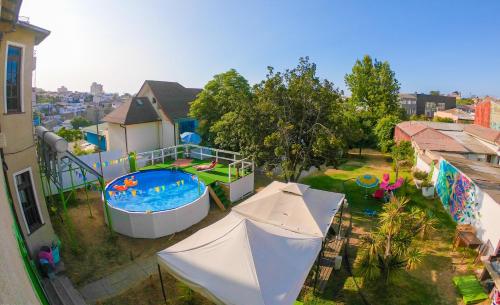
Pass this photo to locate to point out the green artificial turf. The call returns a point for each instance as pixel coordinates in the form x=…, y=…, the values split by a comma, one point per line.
x=219, y=173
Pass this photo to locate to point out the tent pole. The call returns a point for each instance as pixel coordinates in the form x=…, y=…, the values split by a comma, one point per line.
x=340, y=219
x=317, y=266
x=162, y=288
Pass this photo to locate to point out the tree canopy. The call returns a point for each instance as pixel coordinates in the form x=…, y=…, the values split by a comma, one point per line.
x=69, y=134
x=79, y=121
x=222, y=95
x=374, y=95
x=288, y=122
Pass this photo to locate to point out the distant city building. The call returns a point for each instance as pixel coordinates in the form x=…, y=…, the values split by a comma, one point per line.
x=457, y=115
x=425, y=104
x=62, y=90
x=96, y=89
x=456, y=94
x=488, y=113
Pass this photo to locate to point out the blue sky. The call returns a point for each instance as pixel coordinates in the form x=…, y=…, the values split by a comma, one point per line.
x=431, y=45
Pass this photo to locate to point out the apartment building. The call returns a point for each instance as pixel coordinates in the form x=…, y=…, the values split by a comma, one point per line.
x=426, y=104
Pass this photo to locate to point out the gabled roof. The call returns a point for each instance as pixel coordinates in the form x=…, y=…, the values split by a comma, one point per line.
x=411, y=127
x=487, y=134
x=173, y=98
x=135, y=111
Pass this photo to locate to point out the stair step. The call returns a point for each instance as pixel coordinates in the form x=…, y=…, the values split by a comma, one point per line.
x=48, y=287
x=65, y=292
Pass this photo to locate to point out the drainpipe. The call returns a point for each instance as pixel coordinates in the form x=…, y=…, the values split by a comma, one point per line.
x=126, y=139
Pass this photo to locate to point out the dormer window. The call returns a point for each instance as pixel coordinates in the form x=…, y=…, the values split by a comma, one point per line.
x=13, y=79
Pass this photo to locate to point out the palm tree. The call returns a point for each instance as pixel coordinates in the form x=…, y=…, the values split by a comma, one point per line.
x=390, y=247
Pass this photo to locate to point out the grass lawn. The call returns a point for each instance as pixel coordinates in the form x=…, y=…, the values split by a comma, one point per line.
x=431, y=282
x=219, y=173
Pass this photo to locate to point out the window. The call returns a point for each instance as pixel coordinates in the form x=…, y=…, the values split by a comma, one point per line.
x=13, y=79
x=27, y=200
x=441, y=106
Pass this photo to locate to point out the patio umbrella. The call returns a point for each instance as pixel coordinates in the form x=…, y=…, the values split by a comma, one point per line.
x=190, y=138
x=367, y=181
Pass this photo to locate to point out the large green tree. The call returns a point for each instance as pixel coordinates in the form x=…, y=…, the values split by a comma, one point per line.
x=305, y=115
x=374, y=95
x=222, y=95
x=384, y=131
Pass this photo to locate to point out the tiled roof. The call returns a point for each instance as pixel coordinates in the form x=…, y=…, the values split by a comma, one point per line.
x=411, y=127
x=469, y=142
x=134, y=111
x=174, y=99
x=430, y=139
x=487, y=134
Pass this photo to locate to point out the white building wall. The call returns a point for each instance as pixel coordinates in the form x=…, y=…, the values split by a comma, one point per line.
x=167, y=131
x=488, y=225
x=143, y=137
x=115, y=138
x=422, y=165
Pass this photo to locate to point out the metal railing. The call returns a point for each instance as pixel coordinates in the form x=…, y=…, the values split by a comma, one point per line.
x=201, y=153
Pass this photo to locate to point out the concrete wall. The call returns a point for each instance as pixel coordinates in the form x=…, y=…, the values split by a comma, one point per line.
x=167, y=131
x=422, y=165
x=20, y=151
x=488, y=226
x=15, y=287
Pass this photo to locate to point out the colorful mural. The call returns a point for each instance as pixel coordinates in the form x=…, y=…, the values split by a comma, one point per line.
x=457, y=193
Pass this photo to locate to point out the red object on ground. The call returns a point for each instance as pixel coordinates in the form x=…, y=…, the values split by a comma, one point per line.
x=379, y=194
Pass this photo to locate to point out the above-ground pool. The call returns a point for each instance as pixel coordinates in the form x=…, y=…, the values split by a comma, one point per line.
x=155, y=203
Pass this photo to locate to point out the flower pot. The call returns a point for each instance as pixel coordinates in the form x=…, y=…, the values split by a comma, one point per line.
x=418, y=182
x=428, y=191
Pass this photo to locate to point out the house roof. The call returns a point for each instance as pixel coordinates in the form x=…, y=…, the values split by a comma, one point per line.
x=430, y=139
x=411, y=127
x=135, y=111
x=487, y=134
x=174, y=99
x=485, y=175
x=461, y=115
x=469, y=142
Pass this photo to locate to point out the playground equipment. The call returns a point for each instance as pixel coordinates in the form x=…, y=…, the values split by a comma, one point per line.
x=56, y=161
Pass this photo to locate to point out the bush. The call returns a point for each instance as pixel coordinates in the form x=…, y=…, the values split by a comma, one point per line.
x=420, y=175
x=426, y=183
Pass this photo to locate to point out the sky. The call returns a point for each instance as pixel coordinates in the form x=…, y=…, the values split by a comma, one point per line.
x=441, y=45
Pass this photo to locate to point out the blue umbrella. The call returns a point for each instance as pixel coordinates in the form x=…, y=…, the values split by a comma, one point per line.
x=367, y=181
x=190, y=138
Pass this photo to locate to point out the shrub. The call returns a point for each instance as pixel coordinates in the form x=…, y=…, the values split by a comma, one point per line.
x=420, y=175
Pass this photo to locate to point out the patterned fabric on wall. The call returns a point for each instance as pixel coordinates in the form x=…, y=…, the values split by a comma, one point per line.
x=457, y=193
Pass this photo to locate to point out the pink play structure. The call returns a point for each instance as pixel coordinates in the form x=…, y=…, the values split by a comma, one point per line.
x=385, y=186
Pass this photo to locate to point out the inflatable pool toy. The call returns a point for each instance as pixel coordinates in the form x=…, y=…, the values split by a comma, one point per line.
x=130, y=182
x=120, y=188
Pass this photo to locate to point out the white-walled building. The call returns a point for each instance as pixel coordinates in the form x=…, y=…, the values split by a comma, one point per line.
x=153, y=119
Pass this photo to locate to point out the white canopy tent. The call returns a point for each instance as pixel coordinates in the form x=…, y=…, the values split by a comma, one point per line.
x=261, y=252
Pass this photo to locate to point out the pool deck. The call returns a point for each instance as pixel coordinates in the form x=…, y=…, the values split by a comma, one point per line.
x=219, y=173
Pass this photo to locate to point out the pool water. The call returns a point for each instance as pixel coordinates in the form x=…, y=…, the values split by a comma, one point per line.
x=156, y=190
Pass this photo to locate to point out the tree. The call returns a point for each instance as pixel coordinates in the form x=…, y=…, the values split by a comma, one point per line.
x=443, y=120
x=78, y=122
x=384, y=131
x=306, y=114
x=374, y=95
x=434, y=92
x=402, y=153
x=390, y=247
x=70, y=135
x=222, y=95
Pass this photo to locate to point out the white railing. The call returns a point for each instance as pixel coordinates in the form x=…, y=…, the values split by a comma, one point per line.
x=197, y=152
x=240, y=172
